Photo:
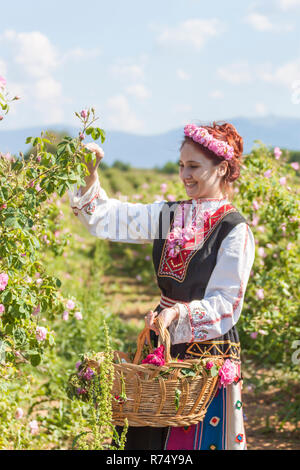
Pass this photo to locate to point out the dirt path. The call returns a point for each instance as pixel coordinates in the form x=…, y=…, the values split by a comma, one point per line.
x=132, y=301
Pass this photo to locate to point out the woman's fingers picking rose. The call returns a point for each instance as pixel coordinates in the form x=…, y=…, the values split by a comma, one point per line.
x=98, y=151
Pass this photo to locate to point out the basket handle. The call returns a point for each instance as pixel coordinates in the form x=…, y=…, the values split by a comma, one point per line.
x=164, y=338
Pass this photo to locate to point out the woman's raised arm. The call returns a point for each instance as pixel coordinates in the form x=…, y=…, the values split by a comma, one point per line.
x=112, y=219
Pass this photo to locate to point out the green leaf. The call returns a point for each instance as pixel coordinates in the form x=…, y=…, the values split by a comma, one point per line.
x=35, y=359
x=11, y=222
x=214, y=371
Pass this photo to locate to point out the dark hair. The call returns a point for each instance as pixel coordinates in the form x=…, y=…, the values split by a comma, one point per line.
x=228, y=133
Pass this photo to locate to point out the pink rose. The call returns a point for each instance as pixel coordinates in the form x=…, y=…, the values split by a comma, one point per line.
x=38, y=158
x=263, y=332
x=282, y=180
x=65, y=315
x=253, y=335
x=260, y=294
x=227, y=373
x=19, y=413
x=255, y=220
x=70, y=305
x=261, y=252
x=40, y=333
x=255, y=205
x=171, y=197
x=277, y=153
x=36, y=311
x=209, y=365
x=3, y=281
x=163, y=187
x=267, y=174
x=2, y=309
x=34, y=427
x=84, y=114
x=156, y=358
x=295, y=165
x=78, y=316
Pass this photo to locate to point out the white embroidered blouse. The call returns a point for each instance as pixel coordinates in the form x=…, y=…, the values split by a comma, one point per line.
x=126, y=222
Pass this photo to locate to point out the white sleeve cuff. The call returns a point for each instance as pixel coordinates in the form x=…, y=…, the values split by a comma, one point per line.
x=180, y=329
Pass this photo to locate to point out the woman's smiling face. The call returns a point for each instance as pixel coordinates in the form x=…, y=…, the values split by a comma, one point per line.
x=200, y=176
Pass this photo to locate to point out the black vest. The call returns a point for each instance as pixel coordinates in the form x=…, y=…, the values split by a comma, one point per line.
x=191, y=282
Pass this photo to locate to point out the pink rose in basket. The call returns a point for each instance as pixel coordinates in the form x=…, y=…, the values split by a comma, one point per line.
x=227, y=373
x=156, y=358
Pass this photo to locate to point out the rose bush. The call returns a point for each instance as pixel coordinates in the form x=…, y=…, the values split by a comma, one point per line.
x=29, y=222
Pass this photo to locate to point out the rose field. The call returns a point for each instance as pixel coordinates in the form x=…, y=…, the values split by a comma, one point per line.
x=66, y=295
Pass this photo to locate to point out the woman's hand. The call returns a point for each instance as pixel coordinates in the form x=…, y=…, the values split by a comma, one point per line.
x=167, y=315
x=94, y=148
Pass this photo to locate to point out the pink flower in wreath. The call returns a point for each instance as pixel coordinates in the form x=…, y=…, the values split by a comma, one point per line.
x=227, y=373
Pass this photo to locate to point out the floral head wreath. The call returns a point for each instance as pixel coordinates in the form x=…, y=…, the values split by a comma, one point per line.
x=203, y=137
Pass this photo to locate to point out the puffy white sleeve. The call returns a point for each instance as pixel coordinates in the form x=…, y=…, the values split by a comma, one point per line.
x=220, y=309
x=112, y=219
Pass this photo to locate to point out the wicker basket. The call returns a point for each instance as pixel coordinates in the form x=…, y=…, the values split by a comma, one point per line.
x=151, y=398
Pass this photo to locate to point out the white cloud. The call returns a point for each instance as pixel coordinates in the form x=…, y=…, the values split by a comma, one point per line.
x=194, y=32
x=216, y=94
x=285, y=74
x=36, y=60
x=48, y=89
x=261, y=109
x=33, y=51
x=287, y=4
x=121, y=116
x=237, y=73
x=82, y=54
x=262, y=23
x=243, y=73
x=131, y=72
x=182, y=75
x=138, y=91
x=259, y=22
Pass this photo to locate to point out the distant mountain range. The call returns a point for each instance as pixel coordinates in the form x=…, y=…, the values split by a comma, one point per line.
x=155, y=150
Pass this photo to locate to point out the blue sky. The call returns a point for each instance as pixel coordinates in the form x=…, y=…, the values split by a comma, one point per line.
x=148, y=67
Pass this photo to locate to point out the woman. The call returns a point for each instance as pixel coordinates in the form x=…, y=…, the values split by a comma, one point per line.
x=203, y=251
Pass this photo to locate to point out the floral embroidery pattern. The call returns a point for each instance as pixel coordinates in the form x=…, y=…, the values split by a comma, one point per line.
x=212, y=447
x=175, y=267
x=89, y=207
